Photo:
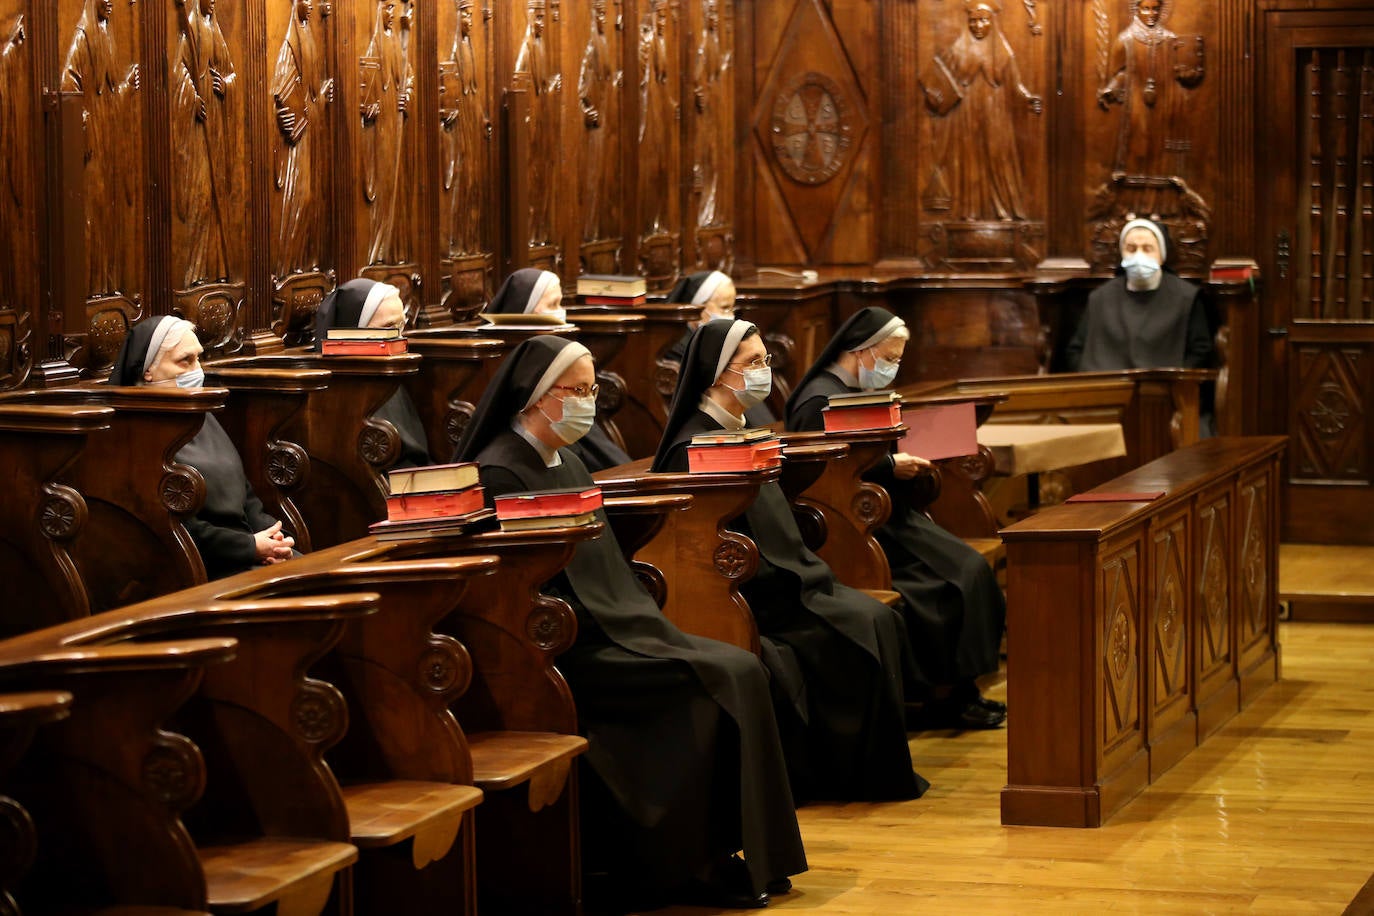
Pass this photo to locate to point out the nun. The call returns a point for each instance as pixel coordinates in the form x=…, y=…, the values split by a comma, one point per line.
x=364, y=303
x=715, y=293
x=954, y=608
x=232, y=531
x=848, y=647
x=684, y=768
x=531, y=291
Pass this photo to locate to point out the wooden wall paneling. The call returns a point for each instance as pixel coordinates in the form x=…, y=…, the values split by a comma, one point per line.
x=531, y=36
x=899, y=234
x=572, y=181
x=466, y=137
x=710, y=158
x=740, y=131
x=424, y=177
x=300, y=129
x=1235, y=230
x=21, y=174
x=979, y=97
x=1216, y=696
x=1171, y=724
x=659, y=173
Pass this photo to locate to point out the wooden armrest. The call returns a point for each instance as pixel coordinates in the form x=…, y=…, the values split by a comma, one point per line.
x=285, y=380
x=886, y=596
x=803, y=463
x=37, y=418
x=636, y=520
x=296, y=874
x=649, y=504
x=435, y=343
x=160, y=398
x=502, y=760
x=612, y=322
x=386, y=813
x=126, y=656
x=20, y=710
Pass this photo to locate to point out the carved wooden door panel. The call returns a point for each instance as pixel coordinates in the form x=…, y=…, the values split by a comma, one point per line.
x=1318, y=139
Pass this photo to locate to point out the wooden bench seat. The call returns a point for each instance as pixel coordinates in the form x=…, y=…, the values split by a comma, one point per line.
x=387, y=813
x=296, y=875
x=504, y=760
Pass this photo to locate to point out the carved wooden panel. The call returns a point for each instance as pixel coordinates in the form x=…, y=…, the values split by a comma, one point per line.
x=659, y=81
x=599, y=124
x=535, y=29
x=1330, y=431
x=1120, y=715
x=709, y=130
x=387, y=154
x=1255, y=591
x=1215, y=553
x=1170, y=671
x=19, y=293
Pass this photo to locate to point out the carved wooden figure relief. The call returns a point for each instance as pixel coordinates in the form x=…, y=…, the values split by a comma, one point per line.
x=16, y=214
x=467, y=131
x=710, y=86
x=388, y=86
x=658, y=129
x=93, y=69
x=537, y=70
x=599, y=84
x=203, y=103
x=302, y=90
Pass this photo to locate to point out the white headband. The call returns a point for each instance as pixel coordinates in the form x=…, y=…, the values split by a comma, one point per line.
x=732, y=339
x=561, y=363
x=168, y=333
x=374, y=299
x=1146, y=224
x=541, y=286
x=883, y=334
x=708, y=287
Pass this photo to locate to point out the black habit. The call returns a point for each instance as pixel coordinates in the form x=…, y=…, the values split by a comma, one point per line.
x=684, y=764
x=224, y=528
x=343, y=308
x=1152, y=329
x=954, y=608
x=849, y=650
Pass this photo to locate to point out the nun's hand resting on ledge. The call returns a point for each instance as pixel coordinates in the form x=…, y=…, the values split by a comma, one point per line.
x=272, y=546
x=905, y=467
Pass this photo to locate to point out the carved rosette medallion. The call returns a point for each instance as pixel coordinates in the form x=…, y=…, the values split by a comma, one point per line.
x=812, y=128
x=181, y=492
x=286, y=463
x=867, y=506
x=731, y=559
x=106, y=336
x=456, y=422
x=665, y=379
x=379, y=443
x=318, y=713
x=1214, y=597
x=17, y=843
x=445, y=666
x=173, y=771
x=546, y=626
x=1170, y=609
x=1119, y=643
x=62, y=513
x=611, y=396
x=1253, y=573
x=1329, y=412
x=977, y=467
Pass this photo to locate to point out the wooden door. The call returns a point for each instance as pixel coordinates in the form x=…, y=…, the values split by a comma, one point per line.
x=1316, y=131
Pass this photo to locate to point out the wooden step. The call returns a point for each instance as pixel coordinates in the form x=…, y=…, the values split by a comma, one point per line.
x=386, y=813
x=295, y=874
x=504, y=760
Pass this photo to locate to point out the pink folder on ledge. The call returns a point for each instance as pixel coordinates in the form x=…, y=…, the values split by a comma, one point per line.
x=940, y=431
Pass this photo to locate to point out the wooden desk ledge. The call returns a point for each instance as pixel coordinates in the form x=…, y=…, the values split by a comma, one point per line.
x=886, y=596
x=647, y=504
x=23, y=710
x=297, y=875
x=137, y=909
x=387, y=813
x=503, y=760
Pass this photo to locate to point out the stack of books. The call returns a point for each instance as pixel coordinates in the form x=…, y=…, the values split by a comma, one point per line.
x=745, y=450
x=362, y=342
x=559, y=508
x=611, y=289
x=430, y=501
x=862, y=410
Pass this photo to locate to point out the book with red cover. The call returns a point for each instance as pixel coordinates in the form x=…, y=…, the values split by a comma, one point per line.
x=1141, y=496
x=752, y=456
x=872, y=416
x=537, y=503
x=388, y=347
x=614, y=300
x=940, y=431
x=441, y=504
x=547, y=521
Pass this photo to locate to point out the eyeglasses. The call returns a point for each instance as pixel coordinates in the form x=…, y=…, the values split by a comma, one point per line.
x=579, y=391
x=763, y=362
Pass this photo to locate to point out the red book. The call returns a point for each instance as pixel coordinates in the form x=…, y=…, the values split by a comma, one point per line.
x=389, y=347
x=754, y=456
x=614, y=300
x=433, y=505
x=538, y=503
x=871, y=416
x=940, y=431
x=1142, y=496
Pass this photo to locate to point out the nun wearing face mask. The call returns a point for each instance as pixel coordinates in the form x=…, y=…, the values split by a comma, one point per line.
x=1144, y=318
x=683, y=767
x=849, y=649
x=715, y=293
x=953, y=607
x=531, y=291
x=232, y=531
x=364, y=303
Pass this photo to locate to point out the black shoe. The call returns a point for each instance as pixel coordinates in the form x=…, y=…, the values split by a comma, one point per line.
x=993, y=705
x=976, y=715
x=709, y=893
x=779, y=887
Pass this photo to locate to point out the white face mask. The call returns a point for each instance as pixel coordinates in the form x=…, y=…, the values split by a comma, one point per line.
x=1140, y=268
x=560, y=313
x=191, y=378
x=880, y=376
x=758, y=384
x=578, y=416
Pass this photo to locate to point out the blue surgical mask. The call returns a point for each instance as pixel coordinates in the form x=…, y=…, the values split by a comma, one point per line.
x=191, y=378
x=758, y=383
x=560, y=313
x=882, y=374
x=578, y=416
x=1140, y=268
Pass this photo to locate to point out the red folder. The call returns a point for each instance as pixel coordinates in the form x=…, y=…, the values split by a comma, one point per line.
x=940, y=431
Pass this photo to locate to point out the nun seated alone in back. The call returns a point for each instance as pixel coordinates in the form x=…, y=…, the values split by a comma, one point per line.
x=684, y=766
x=232, y=531
x=848, y=651
x=530, y=291
x=364, y=303
x=954, y=609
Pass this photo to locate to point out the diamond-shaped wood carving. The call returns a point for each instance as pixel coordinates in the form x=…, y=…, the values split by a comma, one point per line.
x=1329, y=413
x=1170, y=614
x=1214, y=588
x=1254, y=575
x=810, y=121
x=1119, y=648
